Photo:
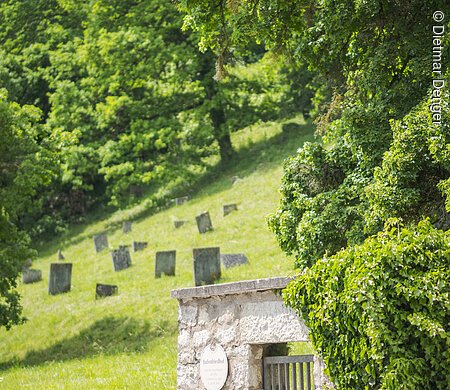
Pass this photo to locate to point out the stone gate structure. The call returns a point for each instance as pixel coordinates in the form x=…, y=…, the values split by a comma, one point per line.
x=246, y=318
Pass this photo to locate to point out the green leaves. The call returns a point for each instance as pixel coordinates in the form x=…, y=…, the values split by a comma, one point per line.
x=379, y=312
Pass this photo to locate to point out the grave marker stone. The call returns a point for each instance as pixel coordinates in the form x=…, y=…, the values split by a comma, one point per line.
x=27, y=264
x=178, y=224
x=60, y=277
x=30, y=275
x=100, y=242
x=228, y=208
x=235, y=179
x=121, y=258
x=139, y=245
x=232, y=260
x=204, y=222
x=126, y=227
x=123, y=247
x=105, y=290
x=165, y=263
x=180, y=201
x=206, y=265
x=60, y=255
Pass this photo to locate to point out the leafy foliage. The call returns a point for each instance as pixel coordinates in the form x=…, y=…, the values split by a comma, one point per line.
x=378, y=312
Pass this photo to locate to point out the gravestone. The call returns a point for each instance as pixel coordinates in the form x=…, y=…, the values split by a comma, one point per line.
x=165, y=263
x=60, y=277
x=228, y=208
x=126, y=227
x=27, y=264
x=60, y=255
x=180, y=201
x=204, y=222
x=139, y=245
x=100, y=242
x=206, y=265
x=178, y=224
x=235, y=179
x=123, y=247
x=105, y=290
x=121, y=258
x=30, y=275
x=232, y=260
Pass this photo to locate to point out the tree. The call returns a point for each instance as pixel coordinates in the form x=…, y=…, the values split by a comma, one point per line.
x=26, y=166
x=381, y=157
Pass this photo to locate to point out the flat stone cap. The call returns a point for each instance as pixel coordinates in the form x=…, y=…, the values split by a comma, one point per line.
x=232, y=288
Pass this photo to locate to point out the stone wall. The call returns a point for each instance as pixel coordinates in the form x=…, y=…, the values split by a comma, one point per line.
x=244, y=318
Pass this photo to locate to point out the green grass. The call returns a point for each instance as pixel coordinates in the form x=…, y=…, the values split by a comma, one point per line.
x=72, y=341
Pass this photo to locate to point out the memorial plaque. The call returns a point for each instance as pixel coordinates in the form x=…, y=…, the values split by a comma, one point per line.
x=60, y=255
x=204, y=222
x=139, y=245
x=30, y=275
x=206, y=265
x=213, y=367
x=60, y=277
x=178, y=224
x=126, y=227
x=100, y=242
x=232, y=260
x=121, y=259
x=105, y=290
x=165, y=263
x=228, y=208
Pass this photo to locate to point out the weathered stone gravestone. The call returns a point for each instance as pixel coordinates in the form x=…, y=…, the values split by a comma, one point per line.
x=232, y=260
x=60, y=255
x=139, y=245
x=165, y=263
x=105, y=290
x=27, y=264
x=204, y=222
x=126, y=227
x=100, y=242
x=121, y=258
x=206, y=265
x=228, y=208
x=60, y=277
x=180, y=201
x=30, y=275
x=235, y=179
x=178, y=223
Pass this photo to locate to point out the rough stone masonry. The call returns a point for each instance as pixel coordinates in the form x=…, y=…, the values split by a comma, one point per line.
x=244, y=318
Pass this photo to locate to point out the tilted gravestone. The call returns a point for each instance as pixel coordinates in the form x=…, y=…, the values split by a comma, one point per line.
x=139, y=245
x=100, y=242
x=105, y=290
x=165, y=263
x=228, y=208
x=178, y=223
x=60, y=255
x=121, y=258
x=30, y=275
x=206, y=265
x=60, y=277
x=126, y=227
x=232, y=260
x=204, y=222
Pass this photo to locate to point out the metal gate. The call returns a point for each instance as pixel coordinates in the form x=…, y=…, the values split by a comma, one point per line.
x=288, y=372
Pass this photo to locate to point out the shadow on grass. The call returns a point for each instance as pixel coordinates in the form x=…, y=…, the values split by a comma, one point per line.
x=109, y=336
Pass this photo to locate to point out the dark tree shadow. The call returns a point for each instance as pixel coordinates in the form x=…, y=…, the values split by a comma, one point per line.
x=110, y=336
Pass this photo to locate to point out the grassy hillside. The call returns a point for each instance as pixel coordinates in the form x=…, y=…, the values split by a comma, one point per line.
x=72, y=341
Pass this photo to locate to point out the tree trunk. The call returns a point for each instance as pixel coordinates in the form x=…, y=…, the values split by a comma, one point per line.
x=223, y=138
